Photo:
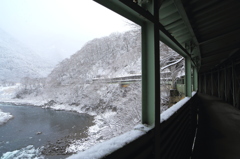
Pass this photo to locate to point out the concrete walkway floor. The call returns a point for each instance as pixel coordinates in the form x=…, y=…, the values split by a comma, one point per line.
x=218, y=135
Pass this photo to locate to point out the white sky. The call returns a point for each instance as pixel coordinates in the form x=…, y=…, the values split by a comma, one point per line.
x=61, y=24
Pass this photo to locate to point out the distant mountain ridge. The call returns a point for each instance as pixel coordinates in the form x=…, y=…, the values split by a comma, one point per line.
x=17, y=61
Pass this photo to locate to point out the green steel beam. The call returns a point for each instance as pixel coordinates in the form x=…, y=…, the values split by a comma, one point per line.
x=148, y=70
x=184, y=39
x=164, y=12
x=176, y=29
x=170, y=19
x=171, y=44
x=165, y=4
x=188, y=81
x=182, y=32
x=175, y=25
x=120, y=8
x=182, y=12
x=166, y=37
x=139, y=15
x=146, y=17
x=195, y=78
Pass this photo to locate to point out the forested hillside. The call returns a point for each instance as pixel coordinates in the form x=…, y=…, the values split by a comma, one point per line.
x=17, y=61
x=118, y=107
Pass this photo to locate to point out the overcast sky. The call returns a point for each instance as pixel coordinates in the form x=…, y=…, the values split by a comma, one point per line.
x=55, y=25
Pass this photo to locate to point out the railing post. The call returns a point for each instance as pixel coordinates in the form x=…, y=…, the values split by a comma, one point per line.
x=195, y=79
x=201, y=83
x=212, y=83
x=205, y=83
x=225, y=82
x=188, y=81
x=219, y=95
x=233, y=84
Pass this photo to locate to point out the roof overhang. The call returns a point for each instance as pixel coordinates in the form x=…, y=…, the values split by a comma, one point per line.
x=206, y=31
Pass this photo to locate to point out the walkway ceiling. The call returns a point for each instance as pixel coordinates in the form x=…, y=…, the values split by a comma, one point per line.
x=216, y=26
x=206, y=30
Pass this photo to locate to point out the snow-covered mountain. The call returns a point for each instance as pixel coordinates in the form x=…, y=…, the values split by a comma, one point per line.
x=72, y=84
x=17, y=61
x=111, y=56
x=71, y=81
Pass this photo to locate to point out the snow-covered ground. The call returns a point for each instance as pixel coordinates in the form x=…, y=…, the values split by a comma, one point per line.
x=94, y=132
x=77, y=145
x=107, y=147
x=94, y=135
x=7, y=92
x=4, y=117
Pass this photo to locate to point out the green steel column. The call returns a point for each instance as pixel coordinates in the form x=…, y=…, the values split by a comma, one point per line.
x=195, y=79
x=188, y=82
x=148, y=81
x=150, y=68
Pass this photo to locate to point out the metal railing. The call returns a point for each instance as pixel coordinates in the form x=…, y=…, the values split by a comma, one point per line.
x=177, y=135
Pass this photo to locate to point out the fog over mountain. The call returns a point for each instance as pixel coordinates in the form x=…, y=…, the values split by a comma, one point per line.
x=17, y=61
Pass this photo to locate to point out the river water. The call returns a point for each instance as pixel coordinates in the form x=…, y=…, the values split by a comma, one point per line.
x=41, y=127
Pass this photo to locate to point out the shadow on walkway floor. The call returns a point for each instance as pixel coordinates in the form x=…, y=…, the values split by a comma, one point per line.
x=218, y=135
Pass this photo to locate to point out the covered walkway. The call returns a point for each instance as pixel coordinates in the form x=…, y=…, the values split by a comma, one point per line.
x=207, y=35
x=218, y=135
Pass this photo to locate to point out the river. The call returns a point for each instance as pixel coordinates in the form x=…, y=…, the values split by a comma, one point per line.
x=42, y=127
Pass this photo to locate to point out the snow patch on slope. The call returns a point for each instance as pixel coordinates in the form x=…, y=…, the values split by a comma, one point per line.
x=4, y=117
x=107, y=147
x=94, y=134
x=8, y=92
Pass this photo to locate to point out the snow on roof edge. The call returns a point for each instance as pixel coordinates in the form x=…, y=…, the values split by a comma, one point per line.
x=170, y=111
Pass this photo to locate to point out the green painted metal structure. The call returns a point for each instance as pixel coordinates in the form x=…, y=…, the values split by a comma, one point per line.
x=206, y=34
x=165, y=22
